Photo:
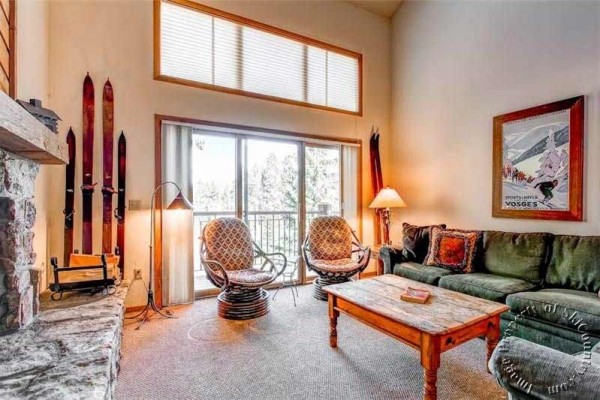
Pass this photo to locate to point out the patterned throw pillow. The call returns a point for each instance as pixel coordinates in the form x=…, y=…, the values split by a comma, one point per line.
x=415, y=240
x=453, y=249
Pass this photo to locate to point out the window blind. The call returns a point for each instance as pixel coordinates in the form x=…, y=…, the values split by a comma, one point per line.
x=200, y=47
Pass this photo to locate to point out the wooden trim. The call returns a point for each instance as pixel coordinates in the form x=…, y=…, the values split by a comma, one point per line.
x=158, y=222
x=292, y=135
x=370, y=274
x=134, y=309
x=260, y=26
x=223, y=89
x=301, y=272
x=156, y=28
x=12, y=19
x=576, y=155
x=3, y=9
x=159, y=119
x=240, y=161
x=359, y=188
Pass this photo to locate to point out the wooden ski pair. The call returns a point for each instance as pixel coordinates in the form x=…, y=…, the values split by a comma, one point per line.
x=376, y=176
x=88, y=185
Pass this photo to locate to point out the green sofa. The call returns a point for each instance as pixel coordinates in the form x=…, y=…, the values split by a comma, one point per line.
x=550, y=282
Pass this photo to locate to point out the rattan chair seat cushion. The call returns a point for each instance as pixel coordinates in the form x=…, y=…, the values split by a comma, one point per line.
x=252, y=276
x=333, y=266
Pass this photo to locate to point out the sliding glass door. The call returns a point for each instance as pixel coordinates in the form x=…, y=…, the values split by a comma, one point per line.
x=214, y=182
x=270, y=194
x=322, y=187
x=276, y=186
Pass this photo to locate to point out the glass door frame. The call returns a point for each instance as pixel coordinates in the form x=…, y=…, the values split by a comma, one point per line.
x=240, y=132
x=302, y=265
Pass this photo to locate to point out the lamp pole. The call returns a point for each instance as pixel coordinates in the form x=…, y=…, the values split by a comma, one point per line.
x=385, y=216
x=150, y=303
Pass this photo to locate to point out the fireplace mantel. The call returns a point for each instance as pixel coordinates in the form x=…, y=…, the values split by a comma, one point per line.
x=24, y=144
x=23, y=135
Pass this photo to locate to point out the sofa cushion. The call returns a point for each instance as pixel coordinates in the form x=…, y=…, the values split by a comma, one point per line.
x=420, y=272
x=485, y=286
x=454, y=249
x=563, y=307
x=516, y=255
x=575, y=263
x=415, y=240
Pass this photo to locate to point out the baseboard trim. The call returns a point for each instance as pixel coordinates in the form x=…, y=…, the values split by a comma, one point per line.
x=134, y=309
x=368, y=274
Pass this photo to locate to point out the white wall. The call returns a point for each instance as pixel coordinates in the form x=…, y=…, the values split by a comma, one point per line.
x=114, y=39
x=32, y=75
x=455, y=65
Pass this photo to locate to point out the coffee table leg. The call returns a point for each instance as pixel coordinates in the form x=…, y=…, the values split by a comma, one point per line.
x=492, y=337
x=333, y=316
x=430, y=360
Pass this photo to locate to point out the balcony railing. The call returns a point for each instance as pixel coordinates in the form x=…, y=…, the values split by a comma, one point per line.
x=273, y=231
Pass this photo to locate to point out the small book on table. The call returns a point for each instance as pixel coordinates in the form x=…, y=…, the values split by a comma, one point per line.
x=415, y=295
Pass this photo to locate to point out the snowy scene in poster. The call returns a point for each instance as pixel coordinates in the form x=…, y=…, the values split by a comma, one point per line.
x=535, y=166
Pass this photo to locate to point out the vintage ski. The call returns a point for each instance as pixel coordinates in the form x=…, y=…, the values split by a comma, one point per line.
x=69, y=210
x=376, y=178
x=107, y=184
x=87, y=189
x=120, y=210
x=378, y=162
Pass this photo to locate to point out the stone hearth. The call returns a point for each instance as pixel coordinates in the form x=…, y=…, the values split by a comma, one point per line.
x=24, y=144
x=71, y=350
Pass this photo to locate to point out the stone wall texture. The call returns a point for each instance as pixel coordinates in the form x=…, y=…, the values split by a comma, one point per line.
x=70, y=351
x=19, y=299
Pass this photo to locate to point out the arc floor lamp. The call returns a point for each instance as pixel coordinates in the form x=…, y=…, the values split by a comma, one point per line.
x=178, y=203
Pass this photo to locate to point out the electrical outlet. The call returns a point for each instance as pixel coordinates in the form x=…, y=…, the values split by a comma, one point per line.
x=137, y=274
x=135, y=205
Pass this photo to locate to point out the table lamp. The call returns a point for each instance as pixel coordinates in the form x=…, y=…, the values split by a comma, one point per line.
x=387, y=198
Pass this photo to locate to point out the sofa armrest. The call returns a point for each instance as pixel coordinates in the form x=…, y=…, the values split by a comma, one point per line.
x=529, y=370
x=390, y=257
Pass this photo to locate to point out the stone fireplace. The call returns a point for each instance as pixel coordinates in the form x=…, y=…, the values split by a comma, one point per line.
x=25, y=143
x=71, y=348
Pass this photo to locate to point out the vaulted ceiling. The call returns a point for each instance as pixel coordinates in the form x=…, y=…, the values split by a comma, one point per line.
x=383, y=8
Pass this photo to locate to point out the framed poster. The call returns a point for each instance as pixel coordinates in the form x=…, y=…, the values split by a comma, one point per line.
x=538, y=162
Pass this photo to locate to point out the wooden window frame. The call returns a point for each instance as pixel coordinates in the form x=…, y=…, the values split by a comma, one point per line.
x=302, y=138
x=260, y=26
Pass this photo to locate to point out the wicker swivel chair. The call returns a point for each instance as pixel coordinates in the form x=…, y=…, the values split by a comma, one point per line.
x=328, y=250
x=228, y=255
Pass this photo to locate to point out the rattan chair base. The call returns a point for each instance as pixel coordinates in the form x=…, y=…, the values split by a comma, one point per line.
x=243, y=305
x=320, y=282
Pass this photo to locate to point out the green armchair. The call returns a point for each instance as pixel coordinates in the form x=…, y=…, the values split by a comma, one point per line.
x=527, y=370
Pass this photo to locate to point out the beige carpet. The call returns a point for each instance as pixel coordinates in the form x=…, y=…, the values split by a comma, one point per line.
x=285, y=355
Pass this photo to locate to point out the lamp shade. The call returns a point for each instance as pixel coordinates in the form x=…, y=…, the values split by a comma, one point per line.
x=180, y=203
x=387, y=198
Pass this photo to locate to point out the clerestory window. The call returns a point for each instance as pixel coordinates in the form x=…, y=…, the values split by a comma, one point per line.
x=207, y=48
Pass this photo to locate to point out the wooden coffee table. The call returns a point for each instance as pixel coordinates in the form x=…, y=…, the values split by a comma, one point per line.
x=446, y=320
